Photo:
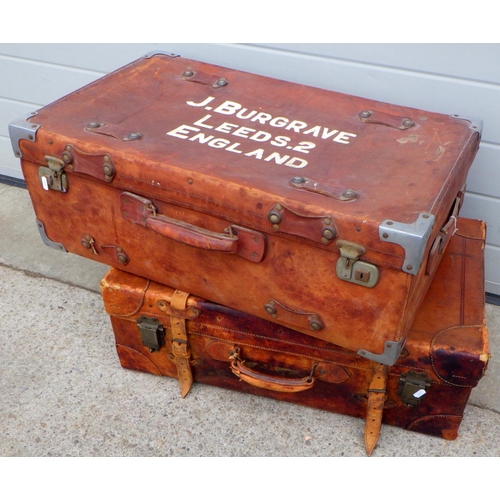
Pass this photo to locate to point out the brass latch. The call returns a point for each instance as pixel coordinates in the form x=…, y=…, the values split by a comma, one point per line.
x=349, y=268
x=413, y=387
x=53, y=176
x=152, y=332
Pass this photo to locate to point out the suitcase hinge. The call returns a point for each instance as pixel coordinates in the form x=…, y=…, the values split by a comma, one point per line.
x=413, y=387
x=152, y=332
x=53, y=176
x=349, y=268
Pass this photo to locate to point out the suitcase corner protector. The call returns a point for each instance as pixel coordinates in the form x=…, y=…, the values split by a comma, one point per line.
x=159, y=53
x=20, y=129
x=392, y=351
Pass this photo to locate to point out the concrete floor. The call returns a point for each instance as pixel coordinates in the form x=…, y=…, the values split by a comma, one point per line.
x=63, y=392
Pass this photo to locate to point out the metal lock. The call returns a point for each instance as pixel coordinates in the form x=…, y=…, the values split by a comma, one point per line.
x=152, y=332
x=53, y=177
x=413, y=387
x=349, y=268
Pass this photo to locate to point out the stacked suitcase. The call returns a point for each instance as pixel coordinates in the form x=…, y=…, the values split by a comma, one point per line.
x=272, y=238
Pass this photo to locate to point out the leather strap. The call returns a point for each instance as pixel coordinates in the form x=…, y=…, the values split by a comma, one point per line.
x=180, y=347
x=375, y=407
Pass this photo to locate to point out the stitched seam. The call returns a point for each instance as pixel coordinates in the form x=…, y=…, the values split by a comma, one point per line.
x=266, y=349
x=138, y=307
x=433, y=361
x=260, y=336
x=432, y=417
x=404, y=300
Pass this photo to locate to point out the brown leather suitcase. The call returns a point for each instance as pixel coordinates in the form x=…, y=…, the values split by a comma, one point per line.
x=166, y=332
x=322, y=212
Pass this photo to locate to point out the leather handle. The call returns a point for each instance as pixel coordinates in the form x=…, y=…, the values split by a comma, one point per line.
x=270, y=382
x=242, y=241
x=191, y=235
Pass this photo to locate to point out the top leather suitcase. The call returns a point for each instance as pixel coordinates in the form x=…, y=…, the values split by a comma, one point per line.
x=320, y=211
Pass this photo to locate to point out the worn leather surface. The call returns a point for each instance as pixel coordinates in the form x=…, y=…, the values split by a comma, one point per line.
x=342, y=378
x=237, y=173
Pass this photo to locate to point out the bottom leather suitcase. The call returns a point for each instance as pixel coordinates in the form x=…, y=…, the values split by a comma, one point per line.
x=168, y=332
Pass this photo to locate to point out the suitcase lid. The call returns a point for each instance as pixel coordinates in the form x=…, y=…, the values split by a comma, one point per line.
x=284, y=158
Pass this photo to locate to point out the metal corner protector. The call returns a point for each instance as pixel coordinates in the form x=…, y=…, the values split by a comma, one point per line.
x=22, y=129
x=475, y=123
x=46, y=240
x=159, y=53
x=391, y=353
x=412, y=238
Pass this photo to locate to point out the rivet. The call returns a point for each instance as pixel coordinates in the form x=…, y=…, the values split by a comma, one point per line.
x=409, y=267
x=425, y=216
x=107, y=169
x=324, y=241
x=365, y=114
x=190, y=181
x=350, y=193
x=327, y=221
x=390, y=223
x=188, y=74
x=67, y=157
x=274, y=217
x=254, y=255
x=134, y=135
x=315, y=325
x=328, y=233
x=408, y=123
x=221, y=82
x=298, y=180
x=30, y=137
x=385, y=235
x=106, y=158
x=93, y=125
x=276, y=227
x=278, y=207
x=271, y=309
x=122, y=258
